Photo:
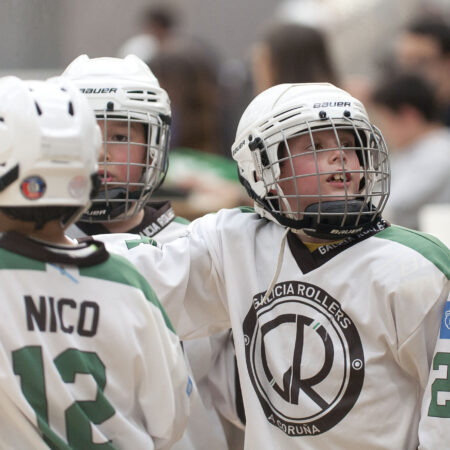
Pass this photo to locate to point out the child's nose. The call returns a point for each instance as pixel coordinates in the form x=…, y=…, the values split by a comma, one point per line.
x=337, y=155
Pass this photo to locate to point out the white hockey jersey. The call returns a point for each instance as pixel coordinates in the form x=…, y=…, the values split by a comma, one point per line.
x=212, y=360
x=338, y=354
x=88, y=358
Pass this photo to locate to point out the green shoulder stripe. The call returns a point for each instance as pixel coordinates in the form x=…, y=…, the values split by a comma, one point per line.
x=12, y=261
x=246, y=209
x=428, y=246
x=131, y=243
x=181, y=220
x=118, y=269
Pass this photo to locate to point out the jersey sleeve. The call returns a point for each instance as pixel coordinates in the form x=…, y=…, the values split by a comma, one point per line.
x=417, y=296
x=187, y=276
x=162, y=378
x=223, y=379
x=435, y=413
x=415, y=353
x=165, y=407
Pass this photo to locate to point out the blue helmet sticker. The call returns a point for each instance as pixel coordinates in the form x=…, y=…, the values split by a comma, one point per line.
x=33, y=188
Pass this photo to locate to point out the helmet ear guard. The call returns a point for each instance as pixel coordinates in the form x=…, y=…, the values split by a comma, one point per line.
x=285, y=111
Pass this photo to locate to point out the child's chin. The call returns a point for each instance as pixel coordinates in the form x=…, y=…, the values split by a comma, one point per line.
x=340, y=198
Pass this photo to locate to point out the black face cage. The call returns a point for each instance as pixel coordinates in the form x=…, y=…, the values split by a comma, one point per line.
x=329, y=215
x=119, y=200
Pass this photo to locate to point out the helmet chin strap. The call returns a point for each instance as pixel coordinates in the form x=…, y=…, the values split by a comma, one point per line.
x=103, y=209
x=330, y=226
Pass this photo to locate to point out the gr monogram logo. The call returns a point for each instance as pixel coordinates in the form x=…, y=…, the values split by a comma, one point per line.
x=304, y=357
x=293, y=383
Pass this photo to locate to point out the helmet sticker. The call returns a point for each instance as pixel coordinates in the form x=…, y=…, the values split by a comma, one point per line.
x=78, y=186
x=33, y=188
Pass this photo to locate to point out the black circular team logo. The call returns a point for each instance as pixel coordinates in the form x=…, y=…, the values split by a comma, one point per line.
x=304, y=357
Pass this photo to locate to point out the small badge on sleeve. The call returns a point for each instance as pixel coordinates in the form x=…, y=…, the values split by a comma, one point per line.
x=33, y=188
x=445, y=325
x=189, y=386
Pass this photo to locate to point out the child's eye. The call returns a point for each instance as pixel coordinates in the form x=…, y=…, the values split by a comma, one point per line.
x=119, y=138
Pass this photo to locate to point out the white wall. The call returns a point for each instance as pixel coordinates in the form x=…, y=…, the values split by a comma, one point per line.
x=47, y=34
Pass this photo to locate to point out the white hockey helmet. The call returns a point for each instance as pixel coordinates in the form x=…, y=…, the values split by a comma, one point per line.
x=125, y=89
x=49, y=142
x=286, y=111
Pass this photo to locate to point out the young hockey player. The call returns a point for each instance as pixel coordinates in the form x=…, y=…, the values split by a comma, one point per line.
x=334, y=311
x=134, y=114
x=88, y=358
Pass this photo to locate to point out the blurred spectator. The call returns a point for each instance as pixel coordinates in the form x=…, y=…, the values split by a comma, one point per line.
x=405, y=108
x=157, y=24
x=161, y=22
x=235, y=85
x=424, y=47
x=189, y=74
x=291, y=53
x=200, y=179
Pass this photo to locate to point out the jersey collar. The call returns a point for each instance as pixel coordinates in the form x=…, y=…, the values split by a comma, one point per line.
x=157, y=215
x=308, y=261
x=57, y=254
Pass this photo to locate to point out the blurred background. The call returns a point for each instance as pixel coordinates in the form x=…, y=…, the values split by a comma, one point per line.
x=213, y=56
x=45, y=35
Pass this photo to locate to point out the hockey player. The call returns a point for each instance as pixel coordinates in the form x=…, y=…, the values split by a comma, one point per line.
x=134, y=114
x=334, y=311
x=88, y=358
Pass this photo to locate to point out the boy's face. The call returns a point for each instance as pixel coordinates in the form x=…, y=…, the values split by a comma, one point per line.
x=324, y=175
x=129, y=152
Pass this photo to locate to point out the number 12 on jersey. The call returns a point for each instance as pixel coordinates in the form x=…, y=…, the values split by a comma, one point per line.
x=29, y=365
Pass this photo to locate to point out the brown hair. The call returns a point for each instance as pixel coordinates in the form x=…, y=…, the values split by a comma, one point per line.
x=188, y=74
x=299, y=54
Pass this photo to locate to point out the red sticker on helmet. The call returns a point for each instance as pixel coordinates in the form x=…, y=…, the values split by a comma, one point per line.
x=33, y=188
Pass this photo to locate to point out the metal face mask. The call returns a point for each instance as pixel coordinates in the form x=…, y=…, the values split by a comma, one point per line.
x=132, y=164
x=313, y=161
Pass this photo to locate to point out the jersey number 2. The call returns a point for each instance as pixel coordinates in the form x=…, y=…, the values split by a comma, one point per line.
x=28, y=364
x=440, y=385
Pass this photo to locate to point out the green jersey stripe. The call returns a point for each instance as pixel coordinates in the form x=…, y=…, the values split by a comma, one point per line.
x=428, y=246
x=120, y=270
x=13, y=261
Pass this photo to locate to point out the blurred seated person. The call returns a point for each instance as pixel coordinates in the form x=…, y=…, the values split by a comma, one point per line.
x=291, y=53
x=405, y=108
x=424, y=47
x=157, y=26
x=200, y=179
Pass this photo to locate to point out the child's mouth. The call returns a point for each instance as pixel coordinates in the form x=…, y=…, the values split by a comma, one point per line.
x=339, y=178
